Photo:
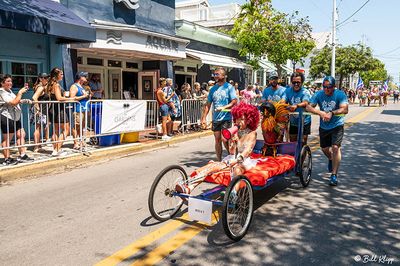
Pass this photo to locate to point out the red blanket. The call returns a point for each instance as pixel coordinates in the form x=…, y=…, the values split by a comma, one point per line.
x=266, y=167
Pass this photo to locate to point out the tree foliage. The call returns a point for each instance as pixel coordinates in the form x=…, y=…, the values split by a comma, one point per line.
x=349, y=61
x=262, y=31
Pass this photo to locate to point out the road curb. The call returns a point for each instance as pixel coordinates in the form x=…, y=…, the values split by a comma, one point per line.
x=68, y=163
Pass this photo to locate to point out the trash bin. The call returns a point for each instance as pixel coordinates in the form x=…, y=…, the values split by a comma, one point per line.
x=96, y=109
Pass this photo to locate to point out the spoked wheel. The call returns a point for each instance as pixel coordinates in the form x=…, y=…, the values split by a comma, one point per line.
x=163, y=204
x=238, y=208
x=305, y=166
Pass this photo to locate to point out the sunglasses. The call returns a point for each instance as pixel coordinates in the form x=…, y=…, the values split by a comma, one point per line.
x=215, y=75
x=328, y=87
x=296, y=82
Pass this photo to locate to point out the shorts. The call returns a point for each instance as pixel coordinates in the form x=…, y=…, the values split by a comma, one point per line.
x=164, y=110
x=9, y=126
x=219, y=125
x=330, y=137
x=79, y=119
x=306, y=129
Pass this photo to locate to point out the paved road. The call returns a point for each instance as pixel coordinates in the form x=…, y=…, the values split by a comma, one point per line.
x=86, y=215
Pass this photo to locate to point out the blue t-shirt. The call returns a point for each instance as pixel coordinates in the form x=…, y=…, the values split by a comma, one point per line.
x=330, y=103
x=274, y=95
x=296, y=97
x=221, y=96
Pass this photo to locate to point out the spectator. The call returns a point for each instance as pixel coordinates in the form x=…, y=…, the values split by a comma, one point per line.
x=96, y=87
x=396, y=95
x=186, y=91
x=10, y=113
x=222, y=96
x=164, y=108
x=59, y=115
x=78, y=92
x=198, y=93
x=274, y=92
x=298, y=97
x=236, y=86
x=333, y=105
x=39, y=110
x=248, y=94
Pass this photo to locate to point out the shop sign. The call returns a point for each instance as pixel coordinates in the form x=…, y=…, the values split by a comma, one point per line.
x=161, y=43
x=130, y=4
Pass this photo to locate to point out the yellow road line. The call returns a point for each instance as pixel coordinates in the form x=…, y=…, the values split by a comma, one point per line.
x=186, y=234
x=143, y=242
x=175, y=242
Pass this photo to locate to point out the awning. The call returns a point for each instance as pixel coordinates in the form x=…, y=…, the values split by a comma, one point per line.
x=45, y=17
x=268, y=66
x=216, y=60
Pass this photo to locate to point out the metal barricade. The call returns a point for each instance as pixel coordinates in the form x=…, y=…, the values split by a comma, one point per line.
x=192, y=111
x=43, y=122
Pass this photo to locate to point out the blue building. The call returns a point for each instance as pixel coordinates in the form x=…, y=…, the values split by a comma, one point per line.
x=135, y=44
x=34, y=38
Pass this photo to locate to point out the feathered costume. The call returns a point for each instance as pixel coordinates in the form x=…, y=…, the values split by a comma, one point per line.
x=273, y=125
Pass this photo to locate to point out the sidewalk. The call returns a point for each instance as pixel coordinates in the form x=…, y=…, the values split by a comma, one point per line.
x=45, y=164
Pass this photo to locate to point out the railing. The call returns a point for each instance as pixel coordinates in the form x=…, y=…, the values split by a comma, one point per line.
x=192, y=111
x=44, y=122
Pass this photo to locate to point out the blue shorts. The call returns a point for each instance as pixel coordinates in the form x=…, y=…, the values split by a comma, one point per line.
x=164, y=110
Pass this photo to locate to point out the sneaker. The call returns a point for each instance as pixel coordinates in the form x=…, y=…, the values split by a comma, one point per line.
x=330, y=166
x=165, y=138
x=24, y=159
x=54, y=153
x=159, y=128
x=9, y=161
x=333, y=181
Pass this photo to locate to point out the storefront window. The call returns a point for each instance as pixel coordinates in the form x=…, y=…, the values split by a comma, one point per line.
x=113, y=63
x=24, y=73
x=132, y=65
x=191, y=69
x=179, y=68
x=79, y=60
x=94, y=61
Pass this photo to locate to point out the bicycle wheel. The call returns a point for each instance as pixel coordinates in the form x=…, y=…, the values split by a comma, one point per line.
x=238, y=208
x=163, y=205
x=305, y=166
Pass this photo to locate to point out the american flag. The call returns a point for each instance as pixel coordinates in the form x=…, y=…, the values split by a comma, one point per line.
x=360, y=83
x=385, y=85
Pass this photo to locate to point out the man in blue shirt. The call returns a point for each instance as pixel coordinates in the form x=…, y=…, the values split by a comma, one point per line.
x=275, y=92
x=223, y=97
x=298, y=97
x=333, y=105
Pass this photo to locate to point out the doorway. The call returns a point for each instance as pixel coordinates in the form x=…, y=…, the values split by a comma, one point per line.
x=147, y=84
x=114, y=88
x=181, y=79
x=130, y=84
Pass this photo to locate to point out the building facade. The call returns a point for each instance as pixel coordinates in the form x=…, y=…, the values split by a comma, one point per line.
x=135, y=45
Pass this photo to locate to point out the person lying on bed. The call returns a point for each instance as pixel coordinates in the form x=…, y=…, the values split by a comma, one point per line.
x=246, y=117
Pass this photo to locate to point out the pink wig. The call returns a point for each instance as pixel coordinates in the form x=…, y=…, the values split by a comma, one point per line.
x=250, y=112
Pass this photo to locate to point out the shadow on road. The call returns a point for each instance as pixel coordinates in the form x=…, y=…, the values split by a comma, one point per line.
x=323, y=225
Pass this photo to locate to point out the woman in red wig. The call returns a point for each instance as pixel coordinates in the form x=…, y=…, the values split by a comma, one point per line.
x=246, y=117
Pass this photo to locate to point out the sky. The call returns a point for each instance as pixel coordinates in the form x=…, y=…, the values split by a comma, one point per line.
x=377, y=24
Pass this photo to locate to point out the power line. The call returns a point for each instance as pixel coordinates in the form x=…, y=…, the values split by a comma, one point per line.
x=353, y=13
x=391, y=51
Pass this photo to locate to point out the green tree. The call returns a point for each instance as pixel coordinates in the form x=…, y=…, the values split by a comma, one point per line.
x=262, y=31
x=377, y=71
x=321, y=63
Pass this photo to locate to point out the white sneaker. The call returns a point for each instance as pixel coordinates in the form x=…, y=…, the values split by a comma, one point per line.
x=166, y=138
x=159, y=128
x=54, y=153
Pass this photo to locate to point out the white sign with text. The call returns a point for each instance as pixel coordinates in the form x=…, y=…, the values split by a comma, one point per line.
x=200, y=210
x=123, y=116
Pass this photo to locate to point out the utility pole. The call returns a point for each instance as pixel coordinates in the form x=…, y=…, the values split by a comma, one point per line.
x=334, y=18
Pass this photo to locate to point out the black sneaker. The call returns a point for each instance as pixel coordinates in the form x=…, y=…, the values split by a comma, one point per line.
x=9, y=161
x=24, y=159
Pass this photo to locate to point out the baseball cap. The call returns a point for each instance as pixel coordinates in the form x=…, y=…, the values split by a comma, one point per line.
x=81, y=74
x=273, y=75
x=43, y=75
